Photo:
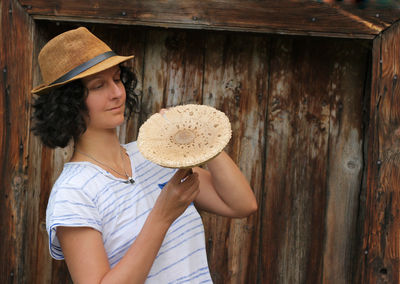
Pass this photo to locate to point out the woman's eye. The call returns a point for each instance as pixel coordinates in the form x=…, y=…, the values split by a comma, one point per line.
x=97, y=86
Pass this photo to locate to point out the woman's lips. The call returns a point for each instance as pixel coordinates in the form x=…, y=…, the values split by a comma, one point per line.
x=115, y=108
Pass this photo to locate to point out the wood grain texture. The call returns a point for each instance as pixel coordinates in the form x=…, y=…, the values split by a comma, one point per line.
x=235, y=81
x=280, y=17
x=381, y=251
x=381, y=13
x=15, y=67
x=172, y=70
x=297, y=133
x=346, y=159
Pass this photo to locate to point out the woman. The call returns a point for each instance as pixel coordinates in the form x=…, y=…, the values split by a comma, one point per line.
x=114, y=216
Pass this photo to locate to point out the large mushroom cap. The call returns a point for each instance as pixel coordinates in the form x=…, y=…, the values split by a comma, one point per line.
x=184, y=136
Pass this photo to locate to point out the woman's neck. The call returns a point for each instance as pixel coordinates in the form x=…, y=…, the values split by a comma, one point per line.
x=102, y=145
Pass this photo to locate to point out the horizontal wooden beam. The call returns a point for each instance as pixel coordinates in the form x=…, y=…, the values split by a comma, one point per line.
x=276, y=17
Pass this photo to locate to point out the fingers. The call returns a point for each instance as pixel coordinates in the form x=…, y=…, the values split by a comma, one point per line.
x=190, y=180
x=188, y=189
x=194, y=189
x=181, y=175
x=162, y=111
x=186, y=183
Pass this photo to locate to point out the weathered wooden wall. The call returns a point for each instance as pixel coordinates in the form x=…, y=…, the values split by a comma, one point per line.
x=296, y=107
x=314, y=160
x=317, y=141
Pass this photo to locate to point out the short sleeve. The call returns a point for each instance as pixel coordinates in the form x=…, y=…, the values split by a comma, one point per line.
x=69, y=207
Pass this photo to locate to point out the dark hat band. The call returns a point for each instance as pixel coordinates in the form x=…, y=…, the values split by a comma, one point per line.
x=83, y=67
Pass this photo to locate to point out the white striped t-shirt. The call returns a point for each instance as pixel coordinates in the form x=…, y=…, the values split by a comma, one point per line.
x=85, y=195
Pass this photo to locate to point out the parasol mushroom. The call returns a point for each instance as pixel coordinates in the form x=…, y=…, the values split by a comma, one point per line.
x=184, y=136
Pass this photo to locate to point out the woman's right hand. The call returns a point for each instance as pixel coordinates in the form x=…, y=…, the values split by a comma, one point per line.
x=177, y=195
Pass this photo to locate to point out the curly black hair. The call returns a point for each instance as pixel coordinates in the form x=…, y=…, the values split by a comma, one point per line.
x=59, y=114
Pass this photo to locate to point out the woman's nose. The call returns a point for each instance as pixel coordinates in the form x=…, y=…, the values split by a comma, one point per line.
x=117, y=89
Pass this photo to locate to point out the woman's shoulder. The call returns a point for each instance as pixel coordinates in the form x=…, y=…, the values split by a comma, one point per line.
x=131, y=147
x=133, y=151
x=78, y=175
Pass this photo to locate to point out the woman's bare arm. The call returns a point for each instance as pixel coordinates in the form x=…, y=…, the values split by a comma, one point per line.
x=224, y=190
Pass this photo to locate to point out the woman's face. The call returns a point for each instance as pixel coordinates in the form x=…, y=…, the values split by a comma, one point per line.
x=106, y=99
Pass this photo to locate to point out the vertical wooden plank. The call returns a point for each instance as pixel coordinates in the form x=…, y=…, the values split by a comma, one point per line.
x=346, y=90
x=235, y=82
x=39, y=259
x=216, y=228
x=173, y=70
x=15, y=67
x=293, y=228
x=381, y=238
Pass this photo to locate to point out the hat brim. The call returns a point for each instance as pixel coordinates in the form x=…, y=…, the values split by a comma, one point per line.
x=101, y=66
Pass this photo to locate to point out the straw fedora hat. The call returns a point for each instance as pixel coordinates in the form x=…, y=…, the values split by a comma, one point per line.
x=184, y=136
x=73, y=55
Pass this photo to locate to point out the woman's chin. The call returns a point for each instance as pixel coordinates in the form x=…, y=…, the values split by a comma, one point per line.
x=118, y=123
x=109, y=124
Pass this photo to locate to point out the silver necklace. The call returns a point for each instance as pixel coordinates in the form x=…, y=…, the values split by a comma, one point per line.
x=129, y=178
